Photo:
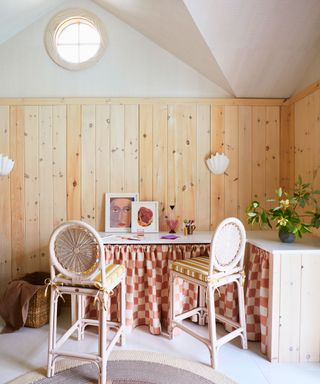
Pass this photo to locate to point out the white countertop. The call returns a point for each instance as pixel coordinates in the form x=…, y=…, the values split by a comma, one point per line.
x=269, y=241
x=198, y=237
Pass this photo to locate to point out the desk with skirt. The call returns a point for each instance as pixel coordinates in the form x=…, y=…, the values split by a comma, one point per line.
x=147, y=297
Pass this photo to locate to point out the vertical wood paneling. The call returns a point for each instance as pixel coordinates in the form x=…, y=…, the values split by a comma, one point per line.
x=131, y=144
x=182, y=159
x=5, y=208
x=289, y=336
x=145, y=152
x=88, y=150
x=172, y=171
x=310, y=309
x=188, y=160
x=245, y=169
x=45, y=183
x=31, y=159
x=160, y=161
x=59, y=142
x=17, y=191
x=217, y=181
x=203, y=175
x=68, y=156
x=303, y=140
x=315, y=136
x=231, y=177
x=307, y=136
x=274, y=319
x=73, y=162
x=272, y=152
x=258, y=154
x=102, y=162
x=287, y=147
x=117, y=177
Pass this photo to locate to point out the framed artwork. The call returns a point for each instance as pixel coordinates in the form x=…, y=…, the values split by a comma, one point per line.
x=145, y=216
x=118, y=211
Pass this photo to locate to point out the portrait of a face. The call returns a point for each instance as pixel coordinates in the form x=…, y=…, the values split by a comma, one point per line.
x=120, y=212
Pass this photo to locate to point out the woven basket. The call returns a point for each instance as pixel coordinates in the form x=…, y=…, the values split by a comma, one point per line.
x=39, y=304
x=39, y=308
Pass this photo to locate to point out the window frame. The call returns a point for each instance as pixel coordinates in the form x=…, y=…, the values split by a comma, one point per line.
x=55, y=24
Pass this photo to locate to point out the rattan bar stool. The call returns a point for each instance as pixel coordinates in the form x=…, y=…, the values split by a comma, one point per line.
x=224, y=266
x=78, y=269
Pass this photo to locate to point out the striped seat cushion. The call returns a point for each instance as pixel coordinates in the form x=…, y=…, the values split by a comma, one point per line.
x=197, y=267
x=114, y=274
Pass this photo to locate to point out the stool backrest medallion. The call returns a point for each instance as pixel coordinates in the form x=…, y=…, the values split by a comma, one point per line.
x=76, y=252
x=227, y=246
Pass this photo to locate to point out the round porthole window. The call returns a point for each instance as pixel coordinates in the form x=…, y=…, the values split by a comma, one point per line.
x=75, y=39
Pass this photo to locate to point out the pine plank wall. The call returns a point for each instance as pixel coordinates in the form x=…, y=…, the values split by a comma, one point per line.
x=69, y=152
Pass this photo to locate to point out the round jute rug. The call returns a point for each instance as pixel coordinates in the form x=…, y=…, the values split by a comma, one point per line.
x=130, y=367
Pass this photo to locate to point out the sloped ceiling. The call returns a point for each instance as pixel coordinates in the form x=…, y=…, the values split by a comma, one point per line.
x=263, y=47
x=169, y=24
x=250, y=48
x=16, y=15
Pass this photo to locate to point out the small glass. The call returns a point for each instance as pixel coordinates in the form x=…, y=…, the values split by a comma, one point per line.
x=172, y=225
x=172, y=221
x=140, y=232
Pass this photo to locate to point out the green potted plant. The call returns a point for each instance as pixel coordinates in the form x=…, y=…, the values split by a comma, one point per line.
x=288, y=214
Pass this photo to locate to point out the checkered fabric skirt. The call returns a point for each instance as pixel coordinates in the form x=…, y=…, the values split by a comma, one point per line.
x=257, y=296
x=147, y=283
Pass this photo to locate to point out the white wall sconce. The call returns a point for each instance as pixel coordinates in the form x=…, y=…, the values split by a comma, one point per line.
x=218, y=163
x=6, y=165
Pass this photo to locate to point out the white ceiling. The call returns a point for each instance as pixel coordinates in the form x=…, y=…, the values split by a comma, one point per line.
x=16, y=15
x=250, y=48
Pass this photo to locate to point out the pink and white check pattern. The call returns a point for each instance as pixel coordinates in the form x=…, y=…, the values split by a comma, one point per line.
x=147, y=297
x=147, y=282
x=257, y=296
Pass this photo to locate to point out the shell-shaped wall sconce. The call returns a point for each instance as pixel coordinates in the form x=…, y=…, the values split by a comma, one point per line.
x=6, y=165
x=218, y=163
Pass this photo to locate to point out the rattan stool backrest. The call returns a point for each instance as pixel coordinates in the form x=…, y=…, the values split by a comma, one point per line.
x=76, y=252
x=227, y=245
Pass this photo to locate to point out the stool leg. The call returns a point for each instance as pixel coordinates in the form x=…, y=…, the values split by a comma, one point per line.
x=103, y=338
x=123, y=310
x=80, y=315
x=212, y=326
x=52, y=330
x=202, y=303
x=171, y=304
x=242, y=316
x=74, y=309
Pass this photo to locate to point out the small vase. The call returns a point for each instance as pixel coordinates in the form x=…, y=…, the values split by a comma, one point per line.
x=286, y=237
x=171, y=220
x=172, y=225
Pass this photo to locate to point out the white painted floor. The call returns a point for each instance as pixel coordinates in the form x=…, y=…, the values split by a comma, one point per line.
x=26, y=350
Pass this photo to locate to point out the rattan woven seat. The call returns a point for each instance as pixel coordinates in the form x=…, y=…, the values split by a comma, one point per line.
x=224, y=266
x=78, y=269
